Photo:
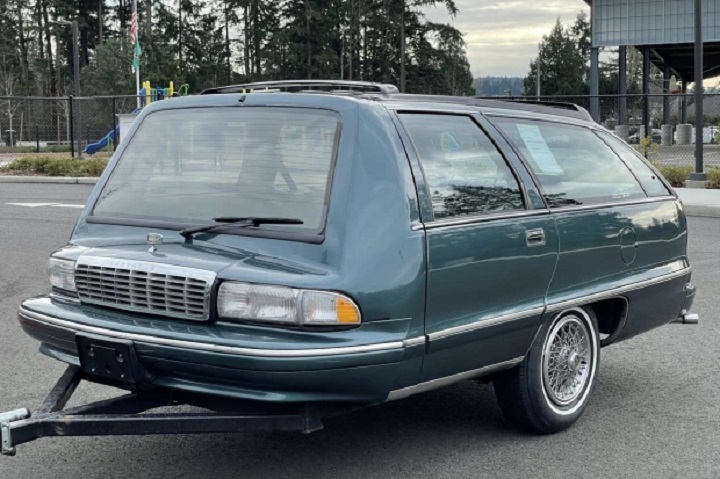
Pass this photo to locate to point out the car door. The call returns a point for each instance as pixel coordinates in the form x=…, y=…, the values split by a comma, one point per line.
x=491, y=251
x=618, y=223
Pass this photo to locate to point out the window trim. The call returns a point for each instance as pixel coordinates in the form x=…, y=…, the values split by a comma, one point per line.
x=668, y=186
x=314, y=237
x=593, y=130
x=476, y=217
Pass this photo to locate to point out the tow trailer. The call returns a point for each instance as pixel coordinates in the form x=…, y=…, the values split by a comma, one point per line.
x=127, y=415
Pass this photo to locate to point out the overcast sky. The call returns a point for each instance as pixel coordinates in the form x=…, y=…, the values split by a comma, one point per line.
x=502, y=35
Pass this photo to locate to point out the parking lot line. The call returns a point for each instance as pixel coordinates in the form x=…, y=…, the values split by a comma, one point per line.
x=51, y=205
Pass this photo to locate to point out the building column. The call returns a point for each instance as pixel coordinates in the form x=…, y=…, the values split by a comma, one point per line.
x=666, y=127
x=595, y=83
x=683, y=102
x=622, y=129
x=646, y=91
x=684, y=131
x=666, y=93
x=622, y=90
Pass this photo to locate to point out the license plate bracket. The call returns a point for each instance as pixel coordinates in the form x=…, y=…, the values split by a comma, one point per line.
x=108, y=359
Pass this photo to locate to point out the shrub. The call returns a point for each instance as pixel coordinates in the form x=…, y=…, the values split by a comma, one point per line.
x=713, y=175
x=676, y=175
x=647, y=147
x=56, y=166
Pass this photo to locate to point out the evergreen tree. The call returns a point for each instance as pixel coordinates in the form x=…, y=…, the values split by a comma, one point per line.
x=562, y=65
x=215, y=42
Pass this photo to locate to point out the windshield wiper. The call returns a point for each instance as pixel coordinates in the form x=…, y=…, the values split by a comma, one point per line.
x=243, y=222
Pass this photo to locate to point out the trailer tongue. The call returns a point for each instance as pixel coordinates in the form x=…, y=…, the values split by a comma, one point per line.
x=124, y=416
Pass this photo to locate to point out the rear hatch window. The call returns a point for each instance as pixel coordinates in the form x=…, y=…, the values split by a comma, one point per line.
x=191, y=165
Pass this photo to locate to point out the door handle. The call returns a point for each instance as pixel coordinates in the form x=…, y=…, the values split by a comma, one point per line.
x=535, y=237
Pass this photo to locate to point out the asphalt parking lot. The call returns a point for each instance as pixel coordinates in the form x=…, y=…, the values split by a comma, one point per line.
x=655, y=412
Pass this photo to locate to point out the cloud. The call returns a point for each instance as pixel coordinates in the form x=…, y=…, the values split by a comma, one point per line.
x=503, y=36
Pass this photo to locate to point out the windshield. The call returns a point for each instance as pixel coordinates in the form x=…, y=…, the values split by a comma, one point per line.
x=192, y=165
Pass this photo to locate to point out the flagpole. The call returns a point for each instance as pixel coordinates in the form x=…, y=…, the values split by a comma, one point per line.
x=137, y=64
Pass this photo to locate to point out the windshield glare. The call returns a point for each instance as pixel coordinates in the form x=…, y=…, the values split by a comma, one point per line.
x=192, y=165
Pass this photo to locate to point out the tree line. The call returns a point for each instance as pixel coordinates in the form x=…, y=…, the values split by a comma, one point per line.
x=208, y=43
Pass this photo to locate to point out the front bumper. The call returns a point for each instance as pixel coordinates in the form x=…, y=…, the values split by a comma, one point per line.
x=234, y=361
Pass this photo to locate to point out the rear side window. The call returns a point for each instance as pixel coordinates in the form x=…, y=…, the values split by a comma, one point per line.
x=196, y=164
x=573, y=165
x=465, y=173
x=649, y=180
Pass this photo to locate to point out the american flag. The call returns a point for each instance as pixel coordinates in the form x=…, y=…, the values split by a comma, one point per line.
x=133, y=27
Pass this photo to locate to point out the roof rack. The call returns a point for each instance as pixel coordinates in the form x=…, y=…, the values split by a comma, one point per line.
x=300, y=86
x=554, y=104
x=570, y=110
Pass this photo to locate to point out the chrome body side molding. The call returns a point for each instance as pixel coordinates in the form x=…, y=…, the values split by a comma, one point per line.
x=613, y=292
x=485, y=323
x=558, y=306
x=446, y=381
x=414, y=341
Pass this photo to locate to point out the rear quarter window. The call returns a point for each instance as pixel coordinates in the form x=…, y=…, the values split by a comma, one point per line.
x=572, y=164
x=650, y=181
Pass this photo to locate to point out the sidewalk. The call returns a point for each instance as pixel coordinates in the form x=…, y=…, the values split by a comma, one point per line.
x=699, y=202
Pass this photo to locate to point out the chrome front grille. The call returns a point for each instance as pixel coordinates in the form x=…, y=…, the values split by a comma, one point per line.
x=144, y=287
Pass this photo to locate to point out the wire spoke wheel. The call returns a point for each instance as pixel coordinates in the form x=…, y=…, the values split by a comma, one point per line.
x=567, y=360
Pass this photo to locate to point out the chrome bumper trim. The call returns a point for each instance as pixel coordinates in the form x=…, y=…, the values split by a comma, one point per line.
x=216, y=348
x=446, y=381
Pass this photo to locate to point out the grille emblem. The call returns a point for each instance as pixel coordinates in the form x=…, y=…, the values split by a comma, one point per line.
x=154, y=239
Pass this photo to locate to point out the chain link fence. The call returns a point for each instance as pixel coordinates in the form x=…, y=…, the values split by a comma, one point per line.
x=60, y=124
x=66, y=124
x=673, y=114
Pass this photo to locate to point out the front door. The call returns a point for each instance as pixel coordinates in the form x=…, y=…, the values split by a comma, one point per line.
x=491, y=254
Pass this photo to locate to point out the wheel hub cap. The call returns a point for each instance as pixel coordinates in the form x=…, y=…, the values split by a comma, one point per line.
x=567, y=360
x=573, y=362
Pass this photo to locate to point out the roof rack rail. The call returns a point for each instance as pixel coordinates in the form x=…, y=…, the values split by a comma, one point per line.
x=554, y=104
x=569, y=110
x=299, y=86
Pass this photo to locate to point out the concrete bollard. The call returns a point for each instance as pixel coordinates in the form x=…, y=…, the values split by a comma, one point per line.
x=666, y=138
x=623, y=132
x=684, y=134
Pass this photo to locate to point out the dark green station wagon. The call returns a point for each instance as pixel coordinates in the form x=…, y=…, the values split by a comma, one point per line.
x=277, y=253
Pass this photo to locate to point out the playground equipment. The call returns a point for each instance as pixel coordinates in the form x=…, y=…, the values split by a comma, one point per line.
x=147, y=95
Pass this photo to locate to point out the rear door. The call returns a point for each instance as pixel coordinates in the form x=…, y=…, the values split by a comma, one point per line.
x=491, y=250
x=617, y=221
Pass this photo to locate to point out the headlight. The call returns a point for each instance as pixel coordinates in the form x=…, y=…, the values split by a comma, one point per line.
x=62, y=274
x=282, y=305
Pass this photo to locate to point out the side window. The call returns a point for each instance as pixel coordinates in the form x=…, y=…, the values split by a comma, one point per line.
x=573, y=165
x=649, y=180
x=464, y=171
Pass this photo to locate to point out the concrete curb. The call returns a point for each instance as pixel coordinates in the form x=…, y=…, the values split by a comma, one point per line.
x=50, y=179
x=703, y=211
